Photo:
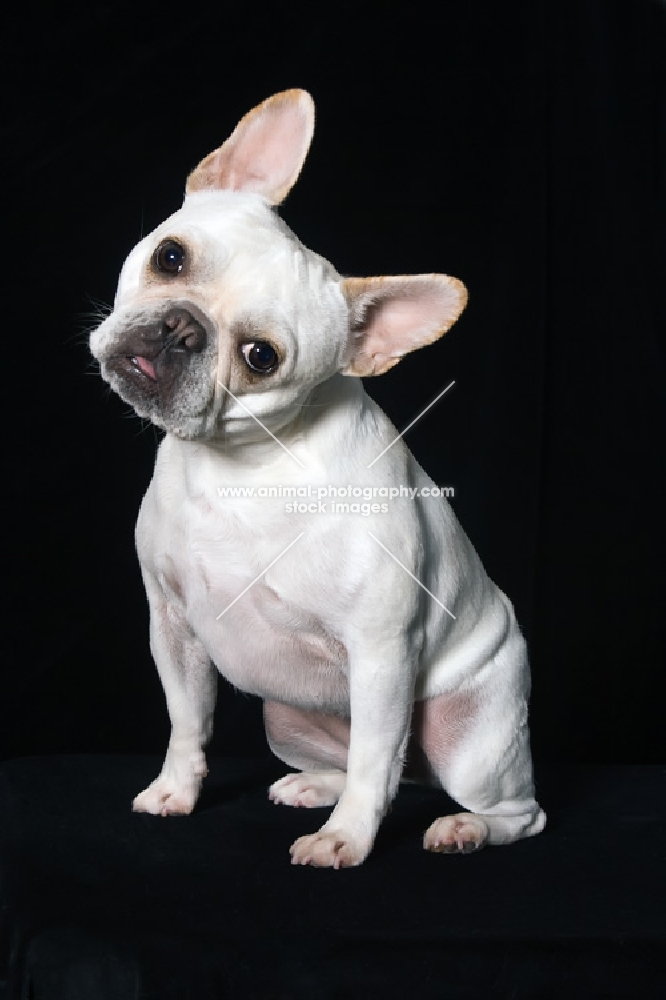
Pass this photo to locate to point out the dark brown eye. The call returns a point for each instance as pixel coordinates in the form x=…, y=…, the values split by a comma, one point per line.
x=169, y=257
x=260, y=356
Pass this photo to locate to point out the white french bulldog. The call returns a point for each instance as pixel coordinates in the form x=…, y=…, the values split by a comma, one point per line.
x=379, y=645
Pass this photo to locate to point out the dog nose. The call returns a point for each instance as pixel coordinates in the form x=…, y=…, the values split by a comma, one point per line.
x=180, y=331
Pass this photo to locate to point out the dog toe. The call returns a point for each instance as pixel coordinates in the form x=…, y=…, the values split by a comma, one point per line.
x=461, y=834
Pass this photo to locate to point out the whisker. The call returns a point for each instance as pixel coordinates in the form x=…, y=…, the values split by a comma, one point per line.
x=80, y=337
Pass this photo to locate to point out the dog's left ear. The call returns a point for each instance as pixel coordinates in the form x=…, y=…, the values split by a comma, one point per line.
x=389, y=317
x=264, y=153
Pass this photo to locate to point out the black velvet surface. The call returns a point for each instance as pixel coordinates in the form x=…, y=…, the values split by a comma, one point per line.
x=103, y=904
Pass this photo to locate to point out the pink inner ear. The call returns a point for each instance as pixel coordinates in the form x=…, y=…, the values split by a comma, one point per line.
x=392, y=316
x=265, y=152
x=395, y=327
x=263, y=157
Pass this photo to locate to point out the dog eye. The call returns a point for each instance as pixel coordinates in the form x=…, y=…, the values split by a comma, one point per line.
x=169, y=257
x=260, y=356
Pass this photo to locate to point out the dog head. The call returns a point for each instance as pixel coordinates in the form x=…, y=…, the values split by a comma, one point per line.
x=221, y=312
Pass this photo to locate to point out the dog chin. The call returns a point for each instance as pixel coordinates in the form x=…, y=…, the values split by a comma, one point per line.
x=143, y=396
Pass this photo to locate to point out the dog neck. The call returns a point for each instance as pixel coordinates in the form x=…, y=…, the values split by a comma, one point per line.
x=322, y=414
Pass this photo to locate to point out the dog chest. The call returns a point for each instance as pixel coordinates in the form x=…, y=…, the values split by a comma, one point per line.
x=261, y=637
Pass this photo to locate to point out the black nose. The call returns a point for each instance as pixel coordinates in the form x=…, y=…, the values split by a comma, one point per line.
x=177, y=331
x=180, y=331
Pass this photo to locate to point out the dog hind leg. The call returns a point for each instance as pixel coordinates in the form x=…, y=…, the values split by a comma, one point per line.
x=477, y=745
x=316, y=743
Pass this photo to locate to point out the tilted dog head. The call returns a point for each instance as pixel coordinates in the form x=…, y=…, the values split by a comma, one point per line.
x=222, y=310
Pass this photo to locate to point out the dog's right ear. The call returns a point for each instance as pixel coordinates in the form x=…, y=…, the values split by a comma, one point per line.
x=264, y=153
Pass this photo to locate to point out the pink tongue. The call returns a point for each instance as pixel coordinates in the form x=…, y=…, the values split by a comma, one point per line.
x=145, y=366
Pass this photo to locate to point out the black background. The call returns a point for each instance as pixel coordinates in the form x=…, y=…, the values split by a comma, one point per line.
x=515, y=145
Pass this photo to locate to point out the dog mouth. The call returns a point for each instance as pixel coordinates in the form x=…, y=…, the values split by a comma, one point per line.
x=154, y=357
x=143, y=366
x=136, y=371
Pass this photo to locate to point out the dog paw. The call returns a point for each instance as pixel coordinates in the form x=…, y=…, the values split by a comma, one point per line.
x=328, y=850
x=309, y=789
x=460, y=834
x=164, y=798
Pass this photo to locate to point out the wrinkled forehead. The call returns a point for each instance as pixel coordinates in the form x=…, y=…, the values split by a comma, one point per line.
x=229, y=238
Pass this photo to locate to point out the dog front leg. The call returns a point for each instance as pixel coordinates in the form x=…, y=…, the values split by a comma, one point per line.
x=380, y=688
x=189, y=680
